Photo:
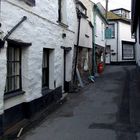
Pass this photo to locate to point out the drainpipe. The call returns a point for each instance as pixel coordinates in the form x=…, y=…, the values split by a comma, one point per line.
x=117, y=41
x=15, y=27
x=94, y=45
x=93, y=71
x=78, y=38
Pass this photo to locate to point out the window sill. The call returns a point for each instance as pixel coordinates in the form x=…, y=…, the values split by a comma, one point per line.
x=111, y=38
x=13, y=94
x=46, y=90
x=62, y=24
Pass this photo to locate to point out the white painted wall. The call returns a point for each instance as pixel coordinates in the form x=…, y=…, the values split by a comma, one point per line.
x=3, y=71
x=85, y=30
x=122, y=33
x=89, y=5
x=113, y=43
x=43, y=31
x=99, y=28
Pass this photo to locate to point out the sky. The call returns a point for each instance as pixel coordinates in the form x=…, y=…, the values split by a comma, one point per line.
x=113, y=4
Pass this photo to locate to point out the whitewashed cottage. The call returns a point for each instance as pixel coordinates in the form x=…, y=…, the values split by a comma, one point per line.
x=120, y=42
x=99, y=39
x=83, y=42
x=35, y=56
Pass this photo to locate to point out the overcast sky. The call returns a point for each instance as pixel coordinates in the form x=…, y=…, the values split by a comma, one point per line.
x=113, y=4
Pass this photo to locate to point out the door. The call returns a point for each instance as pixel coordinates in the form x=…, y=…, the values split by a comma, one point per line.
x=107, y=54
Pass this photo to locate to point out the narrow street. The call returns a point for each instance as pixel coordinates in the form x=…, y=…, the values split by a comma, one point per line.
x=106, y=110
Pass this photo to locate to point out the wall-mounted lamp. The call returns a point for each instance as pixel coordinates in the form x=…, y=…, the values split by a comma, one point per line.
x=1, y=43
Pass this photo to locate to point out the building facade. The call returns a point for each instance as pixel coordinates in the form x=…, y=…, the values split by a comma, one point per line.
x=120, y=42
x=100, y=24
x=35, y=56
x=83, y=42
x=136, y=28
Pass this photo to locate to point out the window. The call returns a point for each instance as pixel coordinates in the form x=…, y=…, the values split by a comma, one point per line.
x=59, y=10
x=102, y=31
x=13, y=82
x=62, y=14
x=110, y=31
x=30, y=2
x=45, y=68
x=81, y=8
x=128, y=52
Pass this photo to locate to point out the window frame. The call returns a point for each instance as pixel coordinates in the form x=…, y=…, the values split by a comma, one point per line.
x=102, y=31
x=59, y=10
x=14, y=76
x=123, y=55
x=62, y=18
x=31, y=3
x=112, y=32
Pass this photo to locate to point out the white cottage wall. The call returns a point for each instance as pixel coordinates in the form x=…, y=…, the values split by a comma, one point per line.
x=113, y=43
x=85, y=34
x=43, y=31
x=98, y=31
x=124, y=35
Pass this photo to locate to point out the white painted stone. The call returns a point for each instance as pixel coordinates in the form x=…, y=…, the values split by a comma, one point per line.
x=43, y=31
x=85, y=28
x=122, y=33
x=3, y=71
x=99, y=30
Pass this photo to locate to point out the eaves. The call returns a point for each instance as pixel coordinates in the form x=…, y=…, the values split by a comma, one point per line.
x=121, y=20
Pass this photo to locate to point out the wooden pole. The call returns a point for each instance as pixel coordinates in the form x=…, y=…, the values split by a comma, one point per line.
x=106, y=8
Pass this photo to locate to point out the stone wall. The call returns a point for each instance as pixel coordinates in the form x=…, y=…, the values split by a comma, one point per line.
x=43, y=31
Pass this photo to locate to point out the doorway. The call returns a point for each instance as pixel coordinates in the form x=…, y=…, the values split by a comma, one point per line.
x=108, y=54
x=66, y=83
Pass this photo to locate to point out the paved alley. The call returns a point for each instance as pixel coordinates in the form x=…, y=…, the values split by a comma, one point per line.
x=109, y=109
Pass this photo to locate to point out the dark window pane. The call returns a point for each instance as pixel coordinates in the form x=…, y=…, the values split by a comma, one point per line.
x=17, y=55
x=45, y=69
x=17, y=68
x=13, y=69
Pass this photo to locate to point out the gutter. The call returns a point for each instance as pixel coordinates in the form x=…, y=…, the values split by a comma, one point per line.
x=117, y=40
x=93, y=37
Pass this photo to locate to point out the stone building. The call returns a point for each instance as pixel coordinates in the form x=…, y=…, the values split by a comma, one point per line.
x=100, y=24
x=83, y=42
x=35, y=56
x=120, y=42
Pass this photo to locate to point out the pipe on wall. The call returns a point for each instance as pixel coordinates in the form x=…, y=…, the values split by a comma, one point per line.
x=78, y=38
x=94, y=45
x=117, y=41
